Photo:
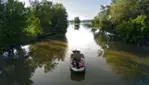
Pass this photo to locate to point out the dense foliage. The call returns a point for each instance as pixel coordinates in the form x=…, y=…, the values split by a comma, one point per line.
x=13, y=16
x=19, y=24
x=127, y=18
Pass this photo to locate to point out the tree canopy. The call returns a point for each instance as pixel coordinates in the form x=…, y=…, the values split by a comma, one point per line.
x=13, y=16
x=77, y=20
x=19, y=24
x=127, y=18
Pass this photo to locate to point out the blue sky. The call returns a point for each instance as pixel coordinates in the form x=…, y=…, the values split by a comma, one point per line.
x=85, y=9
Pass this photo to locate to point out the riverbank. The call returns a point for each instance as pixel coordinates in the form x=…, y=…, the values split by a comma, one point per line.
x=45, y=37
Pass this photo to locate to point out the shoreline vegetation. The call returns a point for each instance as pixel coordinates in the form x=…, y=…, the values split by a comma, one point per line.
x=126, y=19
x=21, y=25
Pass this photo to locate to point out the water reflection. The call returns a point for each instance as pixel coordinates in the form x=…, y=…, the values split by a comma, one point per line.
x=77, y=26
x=48, y=62
x=20, y=70
x=129, y=65
x=45, y=54
x=17, y=73
x=129, y=61
x=82, y=39
x=75, y=76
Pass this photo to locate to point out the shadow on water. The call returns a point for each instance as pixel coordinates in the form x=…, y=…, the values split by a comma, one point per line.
x=130, y=61
x=42, y=54
x=77, y=76
x=17, y=72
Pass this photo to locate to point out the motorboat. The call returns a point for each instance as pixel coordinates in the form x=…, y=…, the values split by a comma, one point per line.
x=77, y=66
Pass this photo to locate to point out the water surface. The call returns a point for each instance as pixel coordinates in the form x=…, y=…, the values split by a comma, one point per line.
x=48, y=63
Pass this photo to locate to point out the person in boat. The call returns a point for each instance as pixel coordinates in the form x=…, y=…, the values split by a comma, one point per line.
x=76, y=56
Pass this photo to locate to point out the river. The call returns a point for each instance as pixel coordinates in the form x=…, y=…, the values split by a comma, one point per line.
x=48, y=63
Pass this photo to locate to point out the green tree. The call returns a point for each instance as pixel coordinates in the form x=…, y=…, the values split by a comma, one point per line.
x=123, y=10
x=77, y=20
x=20, y=24
x=52, y=17
x=102, y=20
x=96, y=22
x=13, y=16
x=126, y=18
x=59, y=21
x=43, y=11
x=33, y=27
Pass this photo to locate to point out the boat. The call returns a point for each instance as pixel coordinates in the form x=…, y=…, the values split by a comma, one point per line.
x=81, y=63
x=80, y=69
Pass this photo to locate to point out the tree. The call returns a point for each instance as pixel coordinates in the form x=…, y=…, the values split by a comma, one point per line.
x=13, y=16
x=52, y=17
x=20, y=24
x=102, y=20
x=96, y=22
x=123, y=10
x=59, y=21
x=77, y=20
x=126, y=18
x=43, y=11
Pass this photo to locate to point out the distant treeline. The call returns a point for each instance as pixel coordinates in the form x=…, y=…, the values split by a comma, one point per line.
x=20, y=24
x=71, y=21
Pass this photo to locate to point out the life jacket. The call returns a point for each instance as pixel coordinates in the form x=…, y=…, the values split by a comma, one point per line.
x=81, y=64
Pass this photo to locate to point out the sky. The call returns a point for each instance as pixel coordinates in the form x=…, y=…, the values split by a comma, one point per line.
x=85, y=9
